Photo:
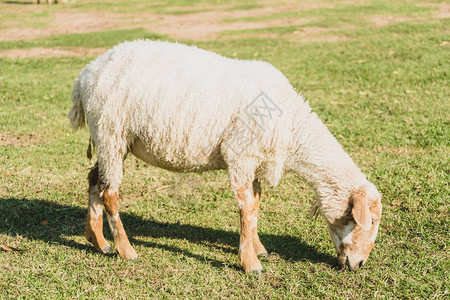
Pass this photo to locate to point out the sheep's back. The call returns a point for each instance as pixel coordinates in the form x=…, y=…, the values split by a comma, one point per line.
x=178, y=100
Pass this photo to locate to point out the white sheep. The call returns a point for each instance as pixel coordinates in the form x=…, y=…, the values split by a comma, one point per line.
x=189, y=110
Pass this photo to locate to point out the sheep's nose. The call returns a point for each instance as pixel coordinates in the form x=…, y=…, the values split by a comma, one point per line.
x=355, y=266
x=347, y=262
x=361, y=263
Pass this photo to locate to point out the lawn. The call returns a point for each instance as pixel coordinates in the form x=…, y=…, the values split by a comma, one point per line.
x=376, y=72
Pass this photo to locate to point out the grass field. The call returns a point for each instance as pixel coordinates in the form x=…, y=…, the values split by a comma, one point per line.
x=376, y=72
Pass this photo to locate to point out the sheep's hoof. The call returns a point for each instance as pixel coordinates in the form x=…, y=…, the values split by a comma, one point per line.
x=127, y=252
x=129, y=256
x=106, y=249
x=253, y=268
x=98, y=246
x=263, y=254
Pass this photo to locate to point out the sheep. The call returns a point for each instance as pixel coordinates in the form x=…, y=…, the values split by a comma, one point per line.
x=185, y=109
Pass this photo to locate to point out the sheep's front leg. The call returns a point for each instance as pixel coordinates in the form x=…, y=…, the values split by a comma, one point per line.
x=257, y=245
x=247, y=255
x=94, y=222
x=121, y=242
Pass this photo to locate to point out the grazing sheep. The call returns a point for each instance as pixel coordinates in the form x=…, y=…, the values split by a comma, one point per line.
x=189, y=110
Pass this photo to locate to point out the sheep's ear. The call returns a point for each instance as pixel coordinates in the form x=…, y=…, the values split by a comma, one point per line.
x=360, y=210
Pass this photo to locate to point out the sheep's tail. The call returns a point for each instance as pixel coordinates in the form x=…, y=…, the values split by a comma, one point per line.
x=77, y=117
x=76, y=113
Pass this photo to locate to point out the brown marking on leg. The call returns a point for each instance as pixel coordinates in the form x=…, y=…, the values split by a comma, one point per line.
x=94, y=221
x=260, y=250
x=247, y=255
x=93, y=176
x=121, y=242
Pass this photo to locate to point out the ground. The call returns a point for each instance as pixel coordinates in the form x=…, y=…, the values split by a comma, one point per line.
x=376, y=72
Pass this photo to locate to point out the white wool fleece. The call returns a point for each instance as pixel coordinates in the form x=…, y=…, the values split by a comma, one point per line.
x=186, y=109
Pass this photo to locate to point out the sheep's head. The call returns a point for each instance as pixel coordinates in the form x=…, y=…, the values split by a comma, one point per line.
x=354, y=233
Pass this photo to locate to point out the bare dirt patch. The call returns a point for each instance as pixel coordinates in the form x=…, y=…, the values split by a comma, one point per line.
x=66, y=22
x=51, y=52
x=70, y=22
x=380, y=20
x=7, y=139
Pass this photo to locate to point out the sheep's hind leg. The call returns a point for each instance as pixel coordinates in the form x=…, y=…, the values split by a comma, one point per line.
x=121, y=242
x=257, y=245
x=110, y=167
x=94, y=221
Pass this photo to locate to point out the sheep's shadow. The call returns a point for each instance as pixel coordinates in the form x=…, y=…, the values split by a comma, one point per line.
x=24, y=217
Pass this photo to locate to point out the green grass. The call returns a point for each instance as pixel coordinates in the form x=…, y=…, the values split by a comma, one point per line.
x=384, y=95
x=161, y=7
x=275, y=30
x=249, y=6
x=98, y=39
x=33, y=19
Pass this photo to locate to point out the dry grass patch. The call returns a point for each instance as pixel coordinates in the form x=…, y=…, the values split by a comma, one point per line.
x=32, y=138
